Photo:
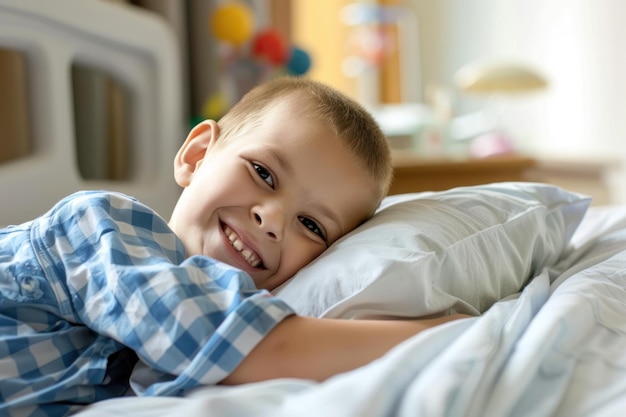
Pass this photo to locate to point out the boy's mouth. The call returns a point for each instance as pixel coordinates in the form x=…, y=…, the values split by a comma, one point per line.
x=247, y=254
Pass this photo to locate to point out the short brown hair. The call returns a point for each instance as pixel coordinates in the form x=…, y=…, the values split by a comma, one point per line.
x=349, y=120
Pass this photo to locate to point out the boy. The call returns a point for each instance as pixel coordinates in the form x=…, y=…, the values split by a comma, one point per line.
x=101, y=281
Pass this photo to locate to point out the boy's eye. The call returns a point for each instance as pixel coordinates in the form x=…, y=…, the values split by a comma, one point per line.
x=313, y=227
x=264, y=174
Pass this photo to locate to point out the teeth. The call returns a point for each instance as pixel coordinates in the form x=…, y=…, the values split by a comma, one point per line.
x=247, y=254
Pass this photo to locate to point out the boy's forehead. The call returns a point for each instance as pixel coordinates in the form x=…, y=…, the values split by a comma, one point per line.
x=297, y=105
x=295, y=112
x=323, y=166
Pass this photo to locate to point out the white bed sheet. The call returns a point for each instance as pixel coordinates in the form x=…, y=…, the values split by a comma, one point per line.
x=556, y=349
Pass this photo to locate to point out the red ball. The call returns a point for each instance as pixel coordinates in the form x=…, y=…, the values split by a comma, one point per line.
x=270, y=46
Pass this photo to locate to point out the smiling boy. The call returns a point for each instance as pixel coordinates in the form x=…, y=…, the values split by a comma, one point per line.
x=101, y=281
x=272, y=198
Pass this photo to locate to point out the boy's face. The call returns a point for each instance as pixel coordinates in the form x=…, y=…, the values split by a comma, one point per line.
x=271, y=200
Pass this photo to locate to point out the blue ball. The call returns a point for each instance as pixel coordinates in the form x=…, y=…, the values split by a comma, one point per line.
x=299, y=63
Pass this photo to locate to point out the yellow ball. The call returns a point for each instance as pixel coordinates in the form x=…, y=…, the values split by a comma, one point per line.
x=215, y=107
x=233, y=23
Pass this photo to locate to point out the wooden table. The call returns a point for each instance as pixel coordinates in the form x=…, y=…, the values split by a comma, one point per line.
x=413, y=173
x=595, y=176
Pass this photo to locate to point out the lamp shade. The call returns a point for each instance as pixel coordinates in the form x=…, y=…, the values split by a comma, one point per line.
x=494, y=77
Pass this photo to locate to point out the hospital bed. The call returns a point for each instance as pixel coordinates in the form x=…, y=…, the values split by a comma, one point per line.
x=542, y=273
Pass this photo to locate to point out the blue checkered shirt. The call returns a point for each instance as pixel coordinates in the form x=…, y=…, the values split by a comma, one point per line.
x=101, y=281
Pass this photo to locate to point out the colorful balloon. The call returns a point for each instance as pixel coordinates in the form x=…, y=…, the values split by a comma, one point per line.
x=269, y=45
x=299, y=62
x=233, y=23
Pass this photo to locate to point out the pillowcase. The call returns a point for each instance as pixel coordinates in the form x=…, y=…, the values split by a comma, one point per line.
x=432, y=253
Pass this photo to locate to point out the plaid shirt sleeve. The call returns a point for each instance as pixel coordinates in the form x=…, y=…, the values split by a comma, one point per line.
x=116, y=267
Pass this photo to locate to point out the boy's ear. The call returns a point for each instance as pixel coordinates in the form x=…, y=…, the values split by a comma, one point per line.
x=191, y=154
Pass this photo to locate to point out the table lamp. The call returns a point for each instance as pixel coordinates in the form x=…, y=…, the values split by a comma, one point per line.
x=499, y=80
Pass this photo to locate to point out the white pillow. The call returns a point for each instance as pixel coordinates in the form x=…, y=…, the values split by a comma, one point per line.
x=458, y=250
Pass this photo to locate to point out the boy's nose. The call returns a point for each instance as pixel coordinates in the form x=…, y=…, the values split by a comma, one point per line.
x=271, y=220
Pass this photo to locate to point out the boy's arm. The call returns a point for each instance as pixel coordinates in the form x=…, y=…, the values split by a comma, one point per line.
x=304, y=347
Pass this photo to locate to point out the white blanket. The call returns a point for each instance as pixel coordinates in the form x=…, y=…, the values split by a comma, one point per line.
x=556, y=349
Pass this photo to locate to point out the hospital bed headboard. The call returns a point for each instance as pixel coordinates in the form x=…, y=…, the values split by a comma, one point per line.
x=134, y=47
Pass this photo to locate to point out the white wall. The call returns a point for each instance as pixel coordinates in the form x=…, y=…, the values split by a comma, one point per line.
x=577, y=44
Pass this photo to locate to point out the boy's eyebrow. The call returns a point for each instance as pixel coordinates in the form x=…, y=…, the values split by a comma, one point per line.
x=285, y=165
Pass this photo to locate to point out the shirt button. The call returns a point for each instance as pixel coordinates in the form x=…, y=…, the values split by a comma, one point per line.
x=30, y=287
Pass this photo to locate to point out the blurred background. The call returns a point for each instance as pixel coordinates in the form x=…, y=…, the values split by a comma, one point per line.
x=460, y=87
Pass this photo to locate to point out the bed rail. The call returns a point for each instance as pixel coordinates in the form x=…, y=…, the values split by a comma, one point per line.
x=137, y=49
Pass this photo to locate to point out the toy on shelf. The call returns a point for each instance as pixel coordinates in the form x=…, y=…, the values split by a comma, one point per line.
x=248, y=55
